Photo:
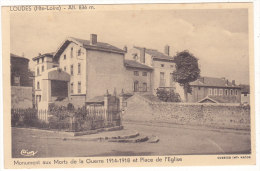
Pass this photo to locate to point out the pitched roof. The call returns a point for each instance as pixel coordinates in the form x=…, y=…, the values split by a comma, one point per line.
x=43, y=55
x=245, y=88
x=105, y=46
x=213, y=82
x=16, y=56
x=134, y=64
x=156, y=54
x=100, y=46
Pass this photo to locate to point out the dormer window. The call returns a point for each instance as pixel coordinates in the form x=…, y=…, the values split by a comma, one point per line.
x=64, y=57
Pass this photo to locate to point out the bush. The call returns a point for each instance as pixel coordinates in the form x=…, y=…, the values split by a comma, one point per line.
x=167, y=95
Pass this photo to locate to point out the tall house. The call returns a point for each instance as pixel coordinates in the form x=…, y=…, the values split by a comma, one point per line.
x=93, y=67
x=162, y=65
x=43, y=62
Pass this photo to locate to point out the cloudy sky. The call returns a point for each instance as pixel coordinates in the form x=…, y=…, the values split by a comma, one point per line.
x=218, y=37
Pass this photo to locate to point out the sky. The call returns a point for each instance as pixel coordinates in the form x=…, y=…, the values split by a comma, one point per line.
x=217, y=37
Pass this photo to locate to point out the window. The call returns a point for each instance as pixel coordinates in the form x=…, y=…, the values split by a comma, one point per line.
x=79, y=68
x=220, y=92
x=162, y=65
x=38, y=85
x=171, y=66
x=236, y=92
x=136, y=86
x=231, y=92
x=215, y=92
x=79, y=52
x=144, y=87
x=79, y=87
x=162, y=80
x=65, y=68
x=17, y=80
x=210, y=91
x=38, y=71
x=64, y=57
x=71, y=88
x=144, y=73
x=42, y=60
x=42, y=68
x=71, y=52
x=136, y=73
x=71, y=70
x=38, y=60
x=226, y=92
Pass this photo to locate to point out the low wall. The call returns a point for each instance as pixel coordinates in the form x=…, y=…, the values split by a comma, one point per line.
x=21, y=97
x=232, y=116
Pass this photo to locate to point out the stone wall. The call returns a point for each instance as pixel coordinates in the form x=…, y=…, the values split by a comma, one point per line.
x=21, y=97
x=232, y=116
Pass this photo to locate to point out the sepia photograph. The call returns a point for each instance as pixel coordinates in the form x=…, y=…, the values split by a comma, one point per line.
x=129, y=82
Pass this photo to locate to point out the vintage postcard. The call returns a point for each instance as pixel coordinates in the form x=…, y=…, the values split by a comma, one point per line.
x=128, y=85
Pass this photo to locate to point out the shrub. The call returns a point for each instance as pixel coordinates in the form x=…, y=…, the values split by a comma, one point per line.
x=167, y=95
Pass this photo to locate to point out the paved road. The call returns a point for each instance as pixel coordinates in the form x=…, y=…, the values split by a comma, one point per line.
x=173, y=140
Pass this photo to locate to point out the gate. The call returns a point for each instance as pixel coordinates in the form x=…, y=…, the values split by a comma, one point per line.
x=113, y=110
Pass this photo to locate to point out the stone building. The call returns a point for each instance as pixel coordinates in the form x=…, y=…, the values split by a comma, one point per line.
x=162, y=66
x=245, y=94
x=20, y=75
x=214, y=90
x=21, y=83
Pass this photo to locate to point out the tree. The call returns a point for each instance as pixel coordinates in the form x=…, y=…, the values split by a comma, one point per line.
x=187, y=70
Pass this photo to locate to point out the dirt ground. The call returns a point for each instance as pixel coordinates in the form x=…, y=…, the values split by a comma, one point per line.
x=174, y=140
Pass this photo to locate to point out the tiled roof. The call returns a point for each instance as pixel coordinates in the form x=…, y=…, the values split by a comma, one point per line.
x=213, y=82
x=245, y=88
x=16, y=56
x=156, y=54
x=43, y=55
x=105, y=46
x=134, y=64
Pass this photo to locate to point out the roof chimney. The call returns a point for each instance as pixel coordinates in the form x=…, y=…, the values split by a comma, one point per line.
x=142, y=55
x=167, y=50
x=233, y=82
x=125, y=49
x=93, y=39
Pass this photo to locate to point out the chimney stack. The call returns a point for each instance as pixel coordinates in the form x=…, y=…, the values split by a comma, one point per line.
x=93, y=39
x=125, y=49
x=142, y=55
x=167, y=50
x=233, y=82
